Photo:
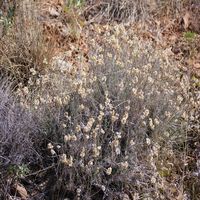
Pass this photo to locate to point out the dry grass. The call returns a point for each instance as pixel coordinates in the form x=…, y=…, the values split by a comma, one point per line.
x=23, y=47
x=116, y=127
x=132, y=10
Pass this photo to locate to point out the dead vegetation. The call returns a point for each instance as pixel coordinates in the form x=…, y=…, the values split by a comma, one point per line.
x=100, y=100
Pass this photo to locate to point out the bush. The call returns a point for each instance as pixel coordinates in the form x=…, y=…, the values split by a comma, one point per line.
x=112, y=129
x=18, y=132
x=191, y=180
x=115, y=127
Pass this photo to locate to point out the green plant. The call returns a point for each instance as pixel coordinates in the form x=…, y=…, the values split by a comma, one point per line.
x=74, y=3
x=18, y=171
x=189, y=35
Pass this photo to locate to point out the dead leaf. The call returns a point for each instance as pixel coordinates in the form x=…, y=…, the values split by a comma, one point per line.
x=186, y=20
x=21, y=191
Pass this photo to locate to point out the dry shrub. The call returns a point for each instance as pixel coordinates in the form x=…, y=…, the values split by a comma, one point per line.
x=134, y=10
x=113, y=129
x=108, y=10
x=191, y=180
x=18, y=132
x=116, y=128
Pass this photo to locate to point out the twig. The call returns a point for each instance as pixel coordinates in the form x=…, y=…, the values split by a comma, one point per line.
x=39, y=171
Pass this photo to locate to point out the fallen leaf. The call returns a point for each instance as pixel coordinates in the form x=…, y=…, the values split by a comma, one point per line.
x=186, y=20
x=21, y=191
